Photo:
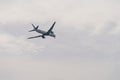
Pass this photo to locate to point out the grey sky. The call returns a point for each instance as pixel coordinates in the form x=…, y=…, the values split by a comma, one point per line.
x=86, y=47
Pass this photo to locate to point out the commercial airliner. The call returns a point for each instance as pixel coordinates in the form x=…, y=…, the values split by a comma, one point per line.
x=43, y=33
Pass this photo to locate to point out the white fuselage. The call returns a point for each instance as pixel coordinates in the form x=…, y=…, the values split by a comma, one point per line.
x=44, y=33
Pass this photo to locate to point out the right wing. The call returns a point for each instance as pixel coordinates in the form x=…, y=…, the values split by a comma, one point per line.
x=35, y=37
x=51, y=28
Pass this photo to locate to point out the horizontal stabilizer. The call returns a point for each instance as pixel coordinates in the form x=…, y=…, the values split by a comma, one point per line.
x=31, y=30
x=35, y=27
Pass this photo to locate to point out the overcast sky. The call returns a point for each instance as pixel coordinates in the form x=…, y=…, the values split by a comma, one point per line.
x=87, y=44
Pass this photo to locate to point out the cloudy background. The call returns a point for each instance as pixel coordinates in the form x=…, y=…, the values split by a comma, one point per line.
x=87, y=46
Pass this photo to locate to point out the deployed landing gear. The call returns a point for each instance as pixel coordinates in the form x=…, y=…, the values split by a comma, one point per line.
x=43, y=36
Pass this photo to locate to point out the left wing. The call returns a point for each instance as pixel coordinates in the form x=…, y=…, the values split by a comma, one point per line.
x=51, y=28
x=35, y=37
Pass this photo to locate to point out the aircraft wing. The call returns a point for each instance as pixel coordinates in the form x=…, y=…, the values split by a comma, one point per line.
x=51, y=27
x=35, y=37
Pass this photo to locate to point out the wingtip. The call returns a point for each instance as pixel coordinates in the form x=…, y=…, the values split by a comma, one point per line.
x=29, y=38
x=31, y=30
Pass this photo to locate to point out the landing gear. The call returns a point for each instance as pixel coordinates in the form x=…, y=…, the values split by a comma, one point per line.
x=43, y=36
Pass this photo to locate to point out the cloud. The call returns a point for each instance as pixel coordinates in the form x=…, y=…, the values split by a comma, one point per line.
x=28, y=69
x=11, y=45
x=79, y=14
x=74, y=12
x=85, y=29
x=86, y=46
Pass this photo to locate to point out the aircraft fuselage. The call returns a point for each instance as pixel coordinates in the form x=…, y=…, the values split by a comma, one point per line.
x=44, y=33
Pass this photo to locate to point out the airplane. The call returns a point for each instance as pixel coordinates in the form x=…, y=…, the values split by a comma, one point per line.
x=44, y=33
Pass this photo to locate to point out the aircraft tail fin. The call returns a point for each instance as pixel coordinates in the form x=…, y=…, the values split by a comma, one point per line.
x=34, y=28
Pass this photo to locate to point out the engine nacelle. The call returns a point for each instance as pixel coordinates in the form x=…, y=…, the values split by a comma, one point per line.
x=52, y=32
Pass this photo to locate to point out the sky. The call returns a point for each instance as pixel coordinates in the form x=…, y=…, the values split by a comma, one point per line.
x=86, y=46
